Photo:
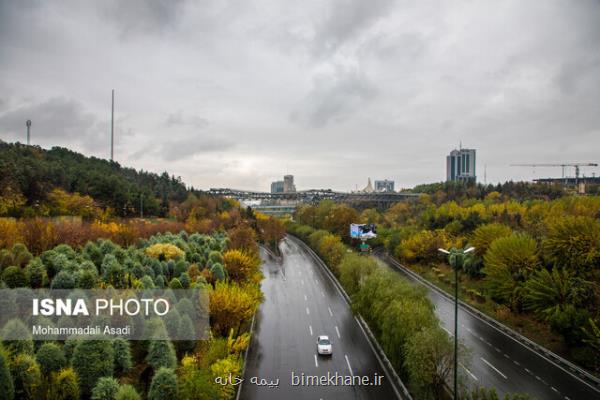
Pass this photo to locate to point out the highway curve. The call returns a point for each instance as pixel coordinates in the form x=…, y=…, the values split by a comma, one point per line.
x=500, y=361
x=301, y=303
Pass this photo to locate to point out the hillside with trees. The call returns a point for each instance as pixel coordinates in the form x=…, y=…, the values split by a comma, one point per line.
x=39, y=182
x=65, y=224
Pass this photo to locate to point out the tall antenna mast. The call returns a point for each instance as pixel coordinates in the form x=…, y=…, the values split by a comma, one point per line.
x=485, y=174
x=28, y=124
x=112, y=127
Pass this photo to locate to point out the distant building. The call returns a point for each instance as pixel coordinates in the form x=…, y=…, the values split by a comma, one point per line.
x=277, y=187
x=368, y=188
x=288, y=184
x=384, y=186
x=460, y=165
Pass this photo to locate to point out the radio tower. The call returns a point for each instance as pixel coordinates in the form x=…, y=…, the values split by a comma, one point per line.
x=112, y=126
x=28, y=124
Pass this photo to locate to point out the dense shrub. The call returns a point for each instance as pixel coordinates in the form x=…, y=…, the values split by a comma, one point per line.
x=127, y=392
x=64, y=386
x=6, y=382
x=106, y=389
x=164, y=385
x=164, y=251
x=92, y=359
x=15, y=328
x=161, y=354
x=51, y=358
x=508, y=263
x=27, y=377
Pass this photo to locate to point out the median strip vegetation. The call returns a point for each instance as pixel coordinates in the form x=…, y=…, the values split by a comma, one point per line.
x=535, y=267
x=398, y=313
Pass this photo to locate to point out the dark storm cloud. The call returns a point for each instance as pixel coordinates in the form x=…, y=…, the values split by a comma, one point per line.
x=143, y=16
x=54, y=118
x=345, y=20
x=334, y=97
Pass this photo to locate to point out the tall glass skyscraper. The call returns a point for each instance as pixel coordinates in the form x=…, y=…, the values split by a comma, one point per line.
x=460, y=165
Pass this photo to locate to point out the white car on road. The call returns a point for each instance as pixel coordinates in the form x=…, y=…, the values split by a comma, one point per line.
x=324, y=345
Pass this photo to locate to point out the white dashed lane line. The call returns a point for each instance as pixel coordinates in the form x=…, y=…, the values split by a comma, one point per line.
x=469, y=372
x=338, y=332
x=494, y=368
x=330, y=313
x=307, y=311
x=310, y=329
x=349, y=367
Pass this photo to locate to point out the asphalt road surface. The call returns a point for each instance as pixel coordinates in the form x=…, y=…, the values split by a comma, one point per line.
x=501, y=362
x=300, y=304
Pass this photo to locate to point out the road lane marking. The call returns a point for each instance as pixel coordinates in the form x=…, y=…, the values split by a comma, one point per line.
x=506, y=355
x=348, y=362
x=302, y=282
x=338, y=332
x=330, y=313
x=553, y=388
x=447, y=331
x=316, y=362
x=310, y=329
x=305, y=298
x=516, y=363
x=492, y=367
x=307, y=311
x=469, y=372
x=322, y=294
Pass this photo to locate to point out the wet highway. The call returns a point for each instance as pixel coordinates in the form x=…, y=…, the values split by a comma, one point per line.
x=301, y=303
x=501, y=362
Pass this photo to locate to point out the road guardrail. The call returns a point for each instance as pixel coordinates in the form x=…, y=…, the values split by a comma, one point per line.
x=541, y=351
x=401, y=390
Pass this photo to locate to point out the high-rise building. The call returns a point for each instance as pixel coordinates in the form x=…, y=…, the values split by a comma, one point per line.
x=384, y=186
x=288, y=184
x=460, y=165
x=277, y=187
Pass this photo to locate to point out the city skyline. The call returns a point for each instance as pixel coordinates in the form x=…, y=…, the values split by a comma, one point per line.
x=234, y=95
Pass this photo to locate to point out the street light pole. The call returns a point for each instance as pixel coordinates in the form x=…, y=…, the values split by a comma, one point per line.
x=456, y=259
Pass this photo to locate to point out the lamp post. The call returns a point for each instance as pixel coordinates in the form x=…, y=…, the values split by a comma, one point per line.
x=456, y=259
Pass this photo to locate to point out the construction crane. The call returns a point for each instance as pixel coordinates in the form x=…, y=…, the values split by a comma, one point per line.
x=562, y=165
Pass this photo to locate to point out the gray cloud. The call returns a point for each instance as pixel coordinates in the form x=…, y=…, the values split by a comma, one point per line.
x=179, y=119
x=345, y=20
x=143, y=16
x=334, y=97
x=185, y=148
x=238, y=93
x=51, y=119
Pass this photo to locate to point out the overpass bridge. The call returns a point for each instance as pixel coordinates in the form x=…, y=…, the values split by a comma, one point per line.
x=380, y=200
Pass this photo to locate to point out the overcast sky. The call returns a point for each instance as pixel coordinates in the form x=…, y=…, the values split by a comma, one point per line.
x=238, y=93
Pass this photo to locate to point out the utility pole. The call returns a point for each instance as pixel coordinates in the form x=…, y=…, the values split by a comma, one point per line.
x=112, y=127
x=28, y=124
